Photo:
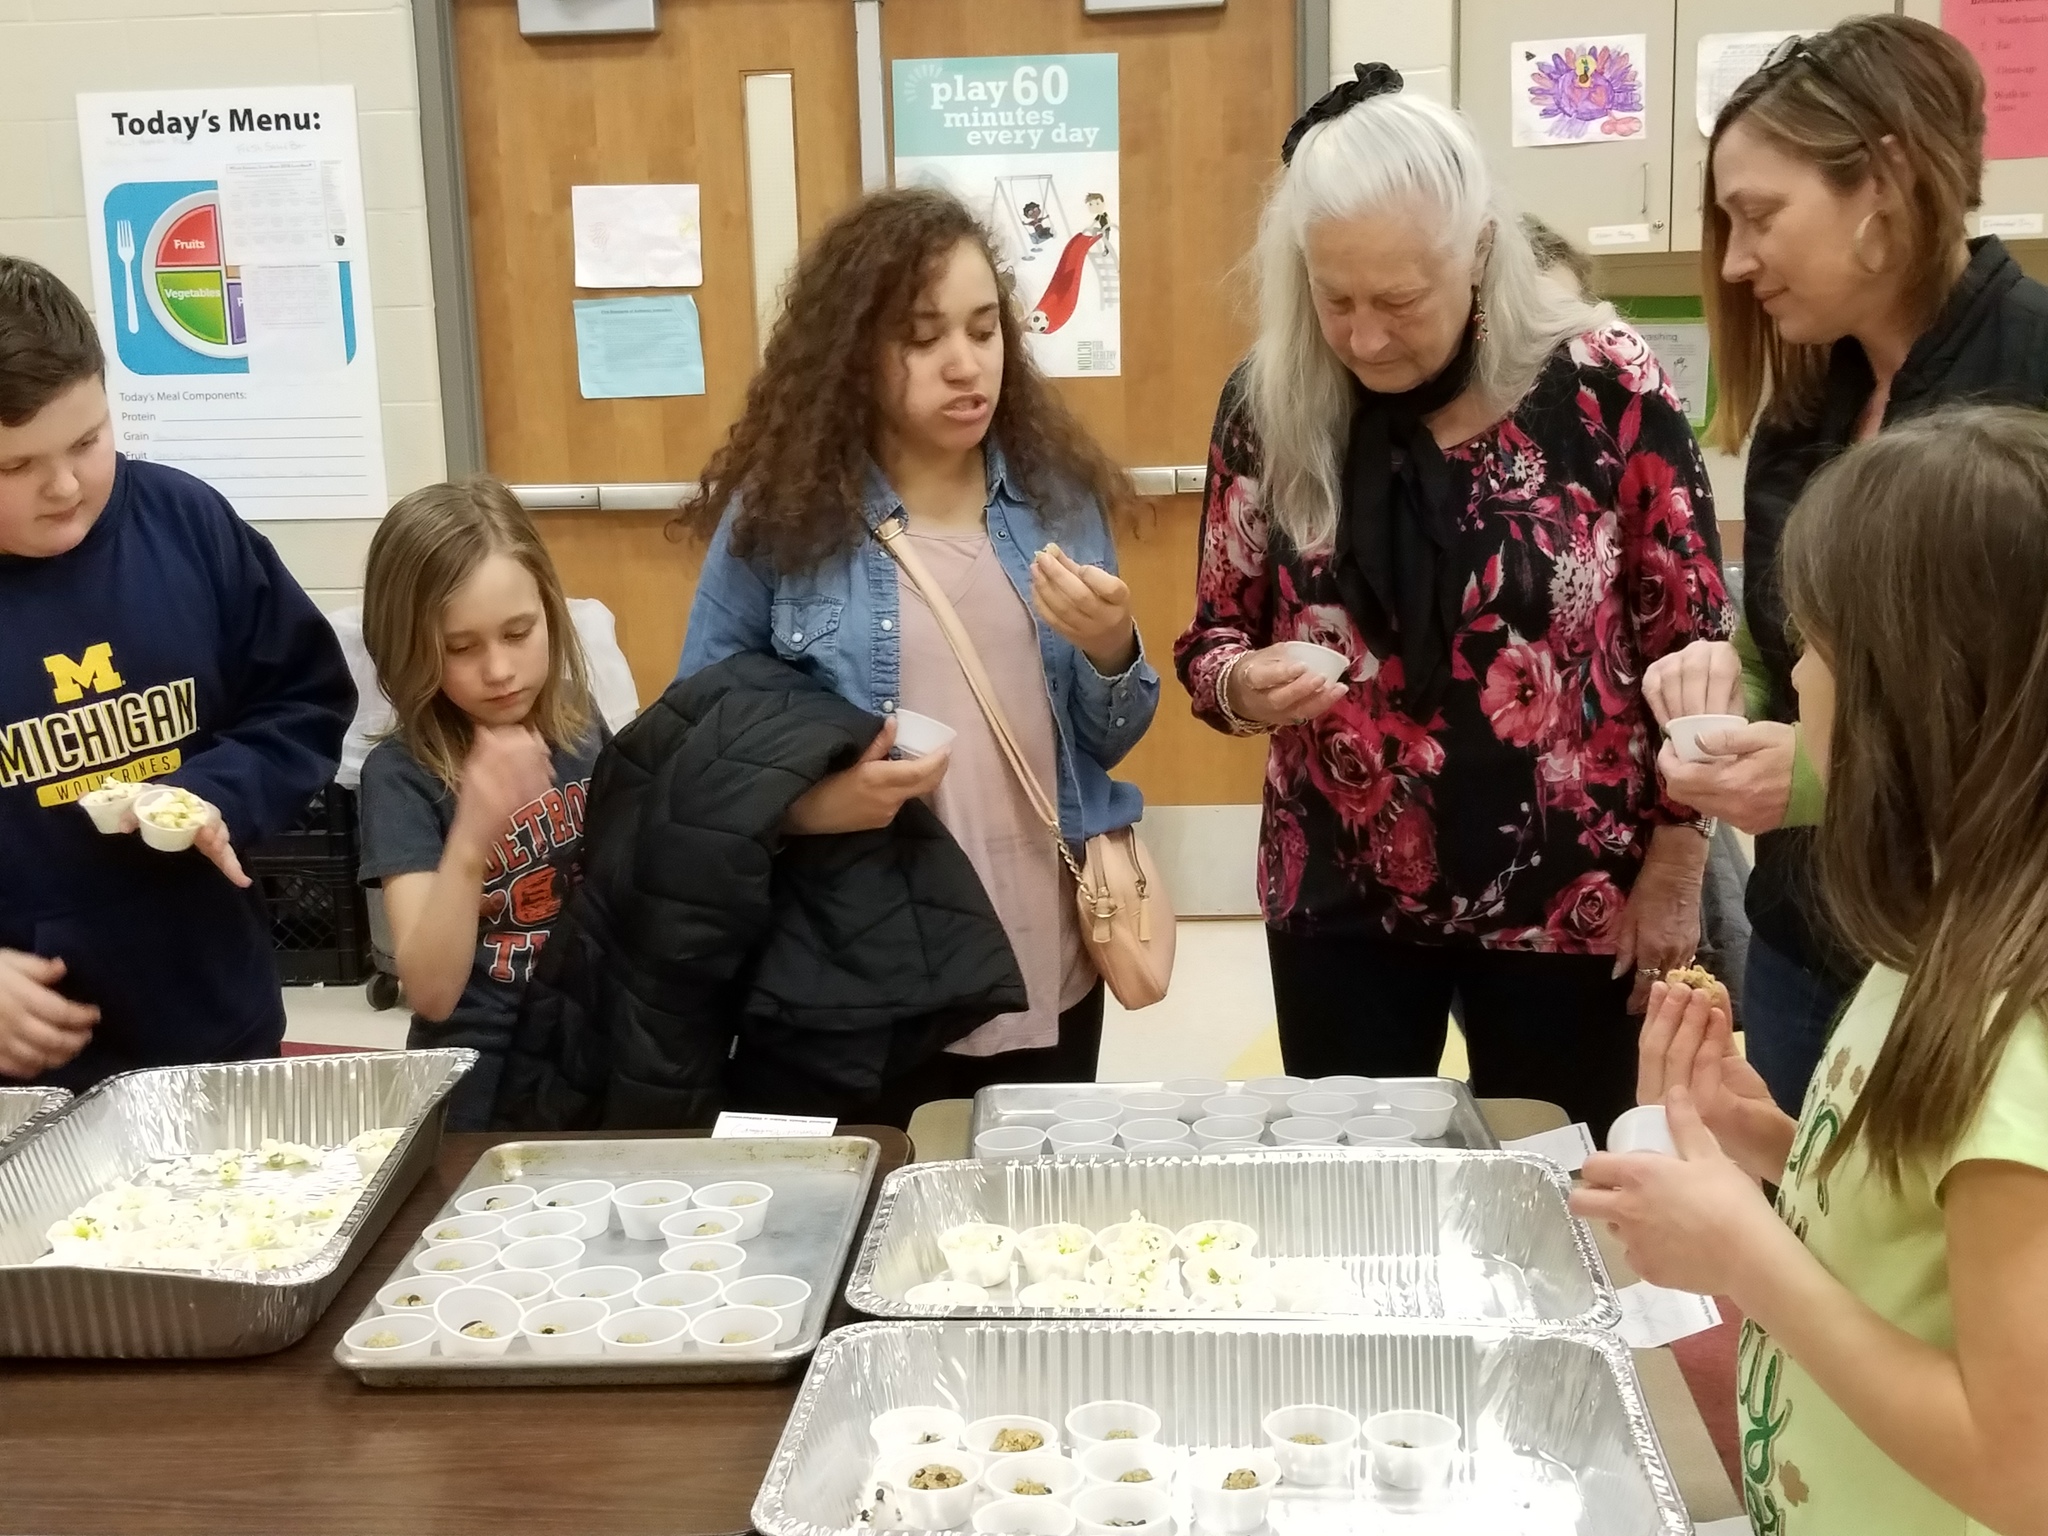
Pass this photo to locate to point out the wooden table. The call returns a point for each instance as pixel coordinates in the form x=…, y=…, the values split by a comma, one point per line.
x=291, y=1443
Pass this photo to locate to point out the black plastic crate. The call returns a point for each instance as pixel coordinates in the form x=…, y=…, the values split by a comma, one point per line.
x=319, y=924
x=326, y=829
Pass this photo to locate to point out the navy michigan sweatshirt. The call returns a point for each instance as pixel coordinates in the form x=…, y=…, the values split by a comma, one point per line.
x=171, y=645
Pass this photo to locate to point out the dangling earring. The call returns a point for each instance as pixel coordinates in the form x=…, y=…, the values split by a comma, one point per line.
x=1857, y=250
x=1478, y=318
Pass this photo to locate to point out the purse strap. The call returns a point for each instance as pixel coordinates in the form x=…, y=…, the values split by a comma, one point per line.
x=891, y=534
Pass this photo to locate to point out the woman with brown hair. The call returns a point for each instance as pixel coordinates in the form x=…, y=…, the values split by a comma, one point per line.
x=897, y=385
x=1843, y=297
x=1896, y=1343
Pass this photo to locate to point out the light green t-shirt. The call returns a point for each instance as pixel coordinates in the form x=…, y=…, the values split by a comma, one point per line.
x=1808, y=1471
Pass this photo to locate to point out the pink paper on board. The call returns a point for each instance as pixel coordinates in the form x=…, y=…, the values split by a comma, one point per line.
x=2010, y=41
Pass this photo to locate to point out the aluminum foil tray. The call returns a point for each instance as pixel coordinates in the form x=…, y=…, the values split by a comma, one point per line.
x=130, y=1120
x=1032, y=1104
x=24, y=1111
x=1557, y=1440
x=821, y=1188
x=1466, y=1237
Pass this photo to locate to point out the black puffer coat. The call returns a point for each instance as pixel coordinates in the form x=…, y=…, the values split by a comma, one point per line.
x=706, y=961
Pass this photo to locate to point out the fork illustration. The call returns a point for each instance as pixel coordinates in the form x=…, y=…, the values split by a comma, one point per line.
x=124, y=242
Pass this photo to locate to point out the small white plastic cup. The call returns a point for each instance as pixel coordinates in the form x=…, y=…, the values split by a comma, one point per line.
x=690, y=1226
x=946, y=1293
x=1685, y=733
x=542, y=1224
x=1232, y=1237
x=784, y=1295
x=976, y=1263
x=930, y=1509
x=1147, y=1105
x=1139, y=1149
x=690, y=1295
x=552, y=1256
x=980, y=1435
x=458, y=1261
x=1107, y=1152
x=1134, y=1133
x=108, y=807
x=589, y=1198
x=1023, y=1517
x=1062, y=1294
x=1060, y=1477
x=920, y=735
x=1427, y=1109
x=1111, y=1236
x=168, y=839
x=1036, y=1246
x=747, y=1199
x=1236, y=1106
x=726, y=1259
x=1088, y=1112
x=1411, y=1448
x=1111, y=1460
x=1232, y=1510
x=916, y=1429
x=1009, y=1144
x=1276, y=1091
x=394, y=1298
x=1305, y=1131
x=411, y=1336
x=1318, y=1105
x=471, y=1306
x=1091, y=1424
x=715, y=1332
x=1194, y=1093
x=644, y=1333
x=643, y=1206
x=501, y=1200
x=1313, y=1466
x=1214, y=1130
x=574, y=1325
x=1071, y=1136
x=1645, y=1128
x=1122, y=1509
x=1366, y=1090
x=609, y=1283
x=483, y=1227
x=528, y=1287
x=1328, y=664
x=1380, y=1131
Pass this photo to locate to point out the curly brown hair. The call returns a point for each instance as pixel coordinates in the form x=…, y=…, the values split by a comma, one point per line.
x=796, y=462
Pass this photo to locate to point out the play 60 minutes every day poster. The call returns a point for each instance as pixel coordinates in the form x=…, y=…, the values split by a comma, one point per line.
x=1029, y=143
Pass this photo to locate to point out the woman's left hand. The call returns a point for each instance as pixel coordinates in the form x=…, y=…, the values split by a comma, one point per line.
x=1660, y=926
x=1694, y=1222
x=1087, y=607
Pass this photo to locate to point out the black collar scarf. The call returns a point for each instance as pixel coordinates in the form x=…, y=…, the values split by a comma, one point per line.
x=1397, y=531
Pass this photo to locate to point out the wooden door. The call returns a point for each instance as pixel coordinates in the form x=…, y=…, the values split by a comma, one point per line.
x=1205, y=98
x=542, y=115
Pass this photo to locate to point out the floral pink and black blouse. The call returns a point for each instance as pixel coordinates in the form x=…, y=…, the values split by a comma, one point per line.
x=1517, y=815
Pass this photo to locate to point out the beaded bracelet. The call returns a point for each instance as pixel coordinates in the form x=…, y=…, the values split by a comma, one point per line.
x=1238, y=725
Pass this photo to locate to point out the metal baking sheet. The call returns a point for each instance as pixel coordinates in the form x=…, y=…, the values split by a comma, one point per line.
x=821, y=1188
x=1557, y=1440
x=1467, y=1237
x=1032, y=1104
x=24, y=1111
x=119, y=1127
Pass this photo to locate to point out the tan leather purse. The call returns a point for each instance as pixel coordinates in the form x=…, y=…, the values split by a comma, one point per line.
x=1126, y=917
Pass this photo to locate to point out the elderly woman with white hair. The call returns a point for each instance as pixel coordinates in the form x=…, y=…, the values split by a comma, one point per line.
x=1480, y=488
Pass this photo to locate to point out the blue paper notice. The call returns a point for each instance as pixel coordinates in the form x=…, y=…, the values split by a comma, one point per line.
x=630, y=349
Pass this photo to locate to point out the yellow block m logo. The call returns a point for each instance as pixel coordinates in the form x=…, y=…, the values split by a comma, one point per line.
x=94, y=670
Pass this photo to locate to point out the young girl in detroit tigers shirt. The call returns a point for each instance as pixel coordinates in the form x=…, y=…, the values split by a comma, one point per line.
x=472, y=809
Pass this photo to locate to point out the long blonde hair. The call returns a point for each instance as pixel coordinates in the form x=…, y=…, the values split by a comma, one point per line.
x=1866, y=80
x=1385, y=151
x=1914, y=565
x=427, y=546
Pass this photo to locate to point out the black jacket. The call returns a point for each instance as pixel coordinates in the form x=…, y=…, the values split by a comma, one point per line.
x=820, y=965
x=1990, y=344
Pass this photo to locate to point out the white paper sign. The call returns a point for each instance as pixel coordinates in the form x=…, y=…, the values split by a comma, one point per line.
x=1568, y=1146
x=1578, y=90
x=732, y=1123
x=2009, y=225
x=1608, y=236
x=1724, y=61
x=637, y=236
x=1683, y=348
x=1653, y=1315
x=232, y=286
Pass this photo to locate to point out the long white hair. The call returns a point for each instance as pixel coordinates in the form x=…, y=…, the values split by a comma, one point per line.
x=1394, y=149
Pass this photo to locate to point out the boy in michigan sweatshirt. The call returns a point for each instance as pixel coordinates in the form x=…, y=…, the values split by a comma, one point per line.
x=146, y=633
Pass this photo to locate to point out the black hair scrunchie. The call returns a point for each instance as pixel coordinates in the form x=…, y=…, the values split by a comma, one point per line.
x=1370, y=80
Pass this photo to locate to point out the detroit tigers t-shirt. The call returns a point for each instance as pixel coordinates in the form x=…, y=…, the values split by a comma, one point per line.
x=406, y=814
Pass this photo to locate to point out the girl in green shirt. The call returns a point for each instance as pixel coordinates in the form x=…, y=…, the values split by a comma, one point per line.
x=1893, y=1378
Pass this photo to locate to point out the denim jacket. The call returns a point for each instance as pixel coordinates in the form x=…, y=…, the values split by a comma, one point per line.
x=839, y=623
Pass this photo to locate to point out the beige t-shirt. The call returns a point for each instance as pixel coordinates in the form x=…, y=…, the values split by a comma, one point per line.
x=979, y=799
